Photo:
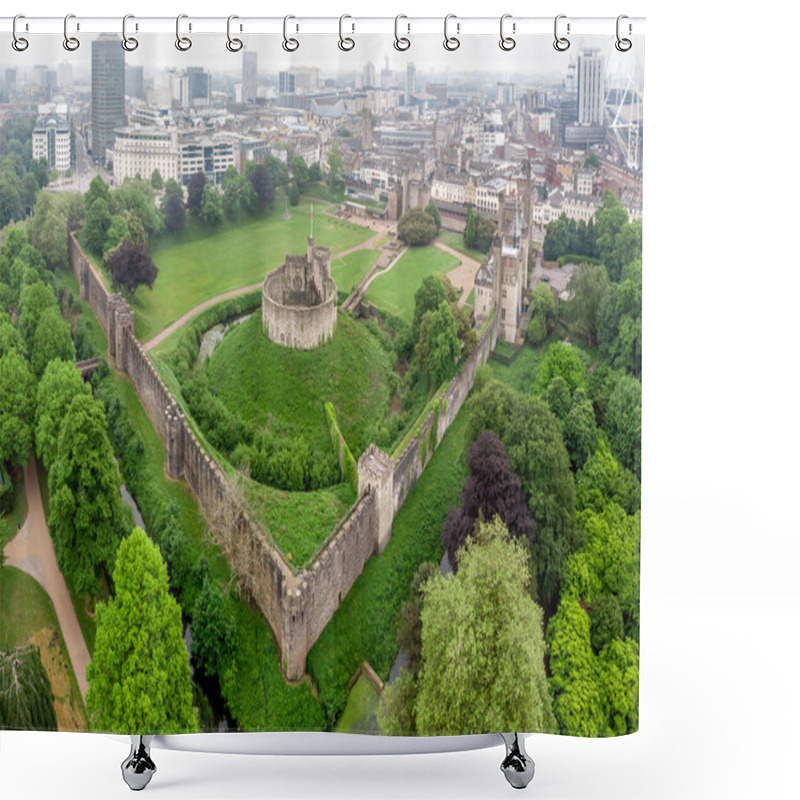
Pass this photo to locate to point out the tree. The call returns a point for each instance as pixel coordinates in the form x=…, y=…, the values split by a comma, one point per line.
x=544, y=315
x=130, y=267
x=59, y=384
x=211, y=208
x=156, y=181
x=591, y=161
x=300, y=173
x=137, y=197
x=623, y=423
x=429, y=296
x=471, y=228
x=439, y=346
x=409, y=633
x=10, y=203
x=396, y=712
x=580, y=429
x=610, y=219
x=294, y=194
x=10, y=338
x=139, y=674
x=87, y=517
x=588, y=286
x=98, y=189
x=602, y=480
x=262, y=183
x=433, y=212
x=561, y=359
x=606, y=621
x=197, y=183
x=117, y=231
x=34, y=299
x=212, y=630
x=232, y=183
x=484, y=233
x=52, y=214
x=52, y=340
x=174, y=214
x=315, y=173
x=491, y=489
x=335, y=166
x=96, y=225
x=416, y=228
x=486, y=602
x=276, y=168
x=26, y=697
x=17, y=408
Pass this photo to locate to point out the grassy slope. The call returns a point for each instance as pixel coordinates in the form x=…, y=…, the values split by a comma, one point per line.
x=200, y=264
x=365, y=625
x=456, y=242
x=350, y=269
x=262, y=381
x=359, y=713
x=394, y=290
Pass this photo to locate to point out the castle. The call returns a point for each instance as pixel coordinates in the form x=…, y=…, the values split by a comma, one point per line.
x=298, y=300
x=502, y=277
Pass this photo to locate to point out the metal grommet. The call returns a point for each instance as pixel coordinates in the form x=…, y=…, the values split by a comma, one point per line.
x=183, y=43
x=561, y=43
x=451, y=43
x=507, y=42
x=71, y=43
x=129, y=43
x=623, y=45
x=290, y=44
x=346, y=43
x=401, y=43
x=233, y=44
x=19, y=43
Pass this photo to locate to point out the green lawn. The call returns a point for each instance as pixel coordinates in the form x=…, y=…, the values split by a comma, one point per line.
x=456, y=242
x=394, y=290
x=364, y=627
x=8, y=522
x=265, y=383
x=359, y=713
x=200, y=264
x=350, y=269
x=521, y=374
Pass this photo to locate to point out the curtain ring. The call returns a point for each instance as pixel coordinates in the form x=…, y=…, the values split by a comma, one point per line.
x=71, y=43
x=507, y=42
x=290, y=44
x=183, y=43
x=623, y=45
x=451, y=43
x=19, y=43
x=346, y=43
x=401, y=43
x=561, y=43
x=128, y=42
x=233, y=44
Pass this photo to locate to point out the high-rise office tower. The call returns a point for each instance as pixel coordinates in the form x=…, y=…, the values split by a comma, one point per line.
x=286, y=83
x=411, y=81
x=199, y=86
x=108, y=93
x=249, y=77
x=369, y=75
x=591, y=87
x=134, y=82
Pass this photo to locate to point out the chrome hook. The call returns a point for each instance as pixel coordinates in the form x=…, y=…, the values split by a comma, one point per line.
x=507, y=42
x=19, y=43
x=623, y=45
x=346, y=43
x=451, y=43
x=561, y=43
x=233, y=44
x=128, y=42
x=71, y=43
x=401, y=43
x=183, y=43
x=290, y=44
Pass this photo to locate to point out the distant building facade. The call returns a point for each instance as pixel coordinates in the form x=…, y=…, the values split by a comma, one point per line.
x=51, y=141
x=108, y=93
x=142, y=150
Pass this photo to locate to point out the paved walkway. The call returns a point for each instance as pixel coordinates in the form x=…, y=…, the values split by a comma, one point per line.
x=462, y=276
x=32, y=551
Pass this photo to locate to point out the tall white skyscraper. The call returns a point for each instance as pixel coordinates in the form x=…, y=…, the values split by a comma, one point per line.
x=369, y=74
x=591, y=87
x=249, y=76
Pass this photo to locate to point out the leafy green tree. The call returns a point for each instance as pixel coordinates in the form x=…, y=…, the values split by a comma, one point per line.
x=591, y=161
x=431, y=293
x=17, y=408
x=87, y=518
x=137, y=197
x=416, y=228
x=248, y=199
x=587, y=285
x=618, y=681
x=10, y=338
x=558, y=398
x=156, y=181
x=47, y=230
x=544, y=315
x=26, y=697
x=439, y=346
x=606, y=621
x=396, y=712
x=52, y=340
x=602, y=479
x=276, y=169
x=300, y=173
x=610, y=219
x=580, y=429
x=137, y=232
x=263, y=184
x=335, y=165
x=564, y=360
x=98, y=189
x=96, y=225
x=117, y=231
x=174, y=214
x=484, y=233
x=139, y=673
x=409, y=633
x=433, y=212
x=620, y=320
x=627, y=246
x=211, y=212
x=486, y=602
x=59, y=384
x=197, y=185
x=623, y=423
x=212, y=630
x=10, y=203
x=130, y=267
x=232, y=183
x=471, y=228
x=315, y=173
x=171, y=186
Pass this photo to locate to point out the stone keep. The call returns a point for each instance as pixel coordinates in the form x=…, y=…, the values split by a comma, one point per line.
x=298, y=300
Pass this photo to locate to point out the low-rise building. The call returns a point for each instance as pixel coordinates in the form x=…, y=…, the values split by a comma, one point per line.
x=51, y=141
x=142, y=150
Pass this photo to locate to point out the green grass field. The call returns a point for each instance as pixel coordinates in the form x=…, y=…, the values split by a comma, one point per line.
x=359, y=713
x=262, y=382
x=456, y=242
x=201, y=264
x=394, y=290
x=8, y=522
x=350, y=269
x=521, y=374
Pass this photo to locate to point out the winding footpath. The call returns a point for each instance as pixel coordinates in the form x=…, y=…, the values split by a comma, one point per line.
x=31, y=550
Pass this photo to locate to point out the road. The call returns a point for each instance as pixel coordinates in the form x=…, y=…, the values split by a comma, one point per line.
x=31, y=550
